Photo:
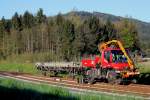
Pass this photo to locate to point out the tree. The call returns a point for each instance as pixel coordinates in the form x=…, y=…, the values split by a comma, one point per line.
x=127, y=32
x=40, y=17
x=28, y=20
x=16, y=22
x=90, y=29
x=67, y=38
x=6, y=24
x=107, y=32
x=79, y=42
x=59, y=19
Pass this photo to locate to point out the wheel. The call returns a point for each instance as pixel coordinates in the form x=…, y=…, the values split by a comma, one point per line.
x=134, y=81
x=91, y=80
x=53, y=73
x=112, y=78
x=118, y=81
x=91, y=76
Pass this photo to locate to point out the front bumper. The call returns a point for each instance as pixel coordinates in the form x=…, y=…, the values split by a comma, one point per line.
x=130, y=74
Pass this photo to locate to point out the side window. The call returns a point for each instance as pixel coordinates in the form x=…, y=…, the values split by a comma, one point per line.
x=118, y=56
x=107, y=55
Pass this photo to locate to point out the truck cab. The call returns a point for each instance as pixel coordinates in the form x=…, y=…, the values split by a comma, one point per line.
x=109, y=58
x=113, y=58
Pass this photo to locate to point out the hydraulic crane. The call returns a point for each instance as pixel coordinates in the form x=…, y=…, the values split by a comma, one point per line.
x=114, y=63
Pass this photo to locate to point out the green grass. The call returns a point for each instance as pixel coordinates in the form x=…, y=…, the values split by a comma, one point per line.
x=27, y=91
x=144, y=67
x=18, y=90
x=34, y=57
x=18, y=67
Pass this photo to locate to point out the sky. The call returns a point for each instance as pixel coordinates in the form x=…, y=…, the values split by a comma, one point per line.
x=139, y=9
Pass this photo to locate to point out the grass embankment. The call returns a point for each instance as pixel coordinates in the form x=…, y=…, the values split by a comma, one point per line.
x=144, y=67
x=18, y=67
x=18, y=90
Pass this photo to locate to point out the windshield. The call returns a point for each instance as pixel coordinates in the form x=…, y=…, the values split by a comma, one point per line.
x=118, y=56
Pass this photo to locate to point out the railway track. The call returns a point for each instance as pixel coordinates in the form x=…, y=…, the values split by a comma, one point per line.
x=133, y=89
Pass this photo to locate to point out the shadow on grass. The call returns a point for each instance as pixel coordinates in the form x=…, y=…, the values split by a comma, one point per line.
x=27, y=94
x=144, y=78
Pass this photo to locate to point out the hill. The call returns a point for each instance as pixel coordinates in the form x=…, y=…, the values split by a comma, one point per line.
x=143, y=27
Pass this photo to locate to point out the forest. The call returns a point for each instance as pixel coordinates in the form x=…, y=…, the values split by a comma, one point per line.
x=37, y=37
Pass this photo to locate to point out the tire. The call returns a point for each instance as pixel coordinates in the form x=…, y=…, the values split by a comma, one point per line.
x=91, y=76
x=91, y=81
x=112, y=78
x=134, y=81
